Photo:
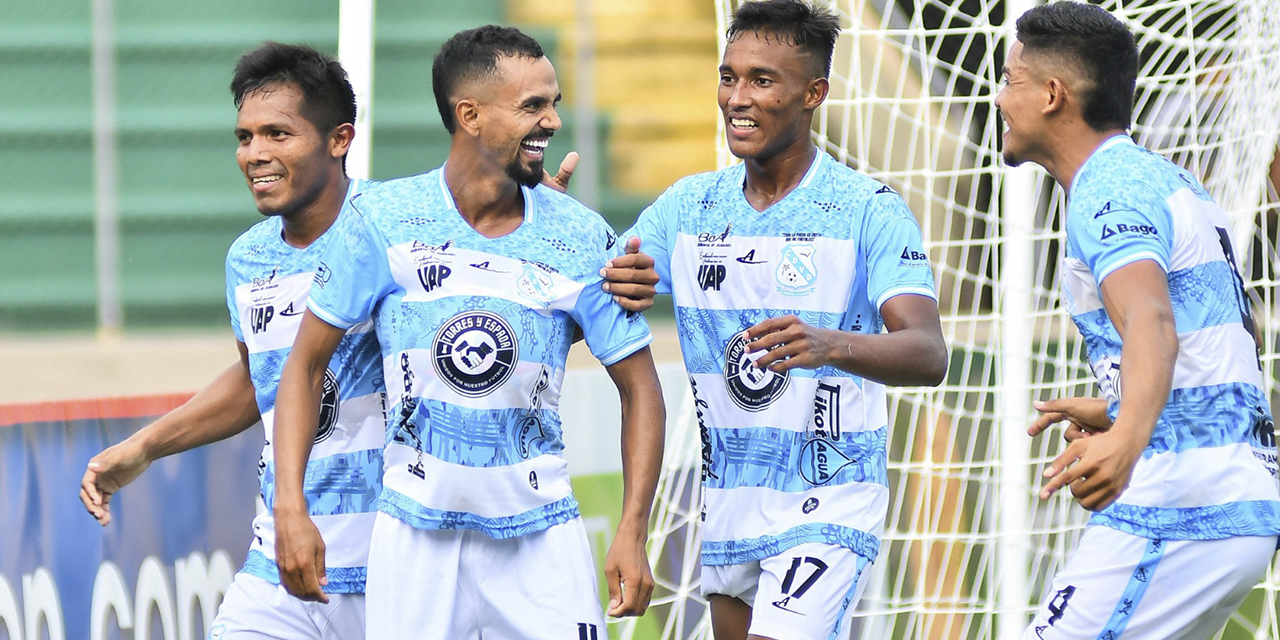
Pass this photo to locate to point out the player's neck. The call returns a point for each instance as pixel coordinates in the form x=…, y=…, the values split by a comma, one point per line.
x=770, y=180
x=486, y=197
x=1072, y=149
x=309, y=222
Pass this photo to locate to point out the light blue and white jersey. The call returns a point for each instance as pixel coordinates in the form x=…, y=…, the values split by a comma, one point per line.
x=267, y=286
x=474, y=334
x=1210, y=469
x=796, y=457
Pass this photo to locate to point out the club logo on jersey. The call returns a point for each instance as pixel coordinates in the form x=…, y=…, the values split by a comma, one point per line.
x=259, y=317
x=809, y=505
x=711, y=276
x=750, y=388
x=536, y=285
x=715, y=238
x=820, y=461
x=826, y=412
x=475, y=352
x=329, y=402
x=797, y=274
x=750, y=258
x=530, y=434
x=432, y=276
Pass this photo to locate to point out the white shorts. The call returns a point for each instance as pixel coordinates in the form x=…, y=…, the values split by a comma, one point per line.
x=807, y=592
x=1120, y=586
x=456, y=584
x=255, y=609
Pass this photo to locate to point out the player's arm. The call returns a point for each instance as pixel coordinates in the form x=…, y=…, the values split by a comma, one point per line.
x=224, y=408
x=627, y=569
x=299, y=547
x=913, y=352
x=1098, y=468
x=631, y=278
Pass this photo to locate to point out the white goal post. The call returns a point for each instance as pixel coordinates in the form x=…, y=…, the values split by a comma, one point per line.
x=969, y=549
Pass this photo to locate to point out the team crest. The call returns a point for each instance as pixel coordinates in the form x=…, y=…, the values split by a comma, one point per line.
x=536, y=285
x=475, y=352
x=329, y=399
x=797, y=273
x=750, y=388
x=820, y=461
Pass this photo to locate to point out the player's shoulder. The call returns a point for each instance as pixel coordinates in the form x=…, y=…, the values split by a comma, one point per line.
x=703, y=187
x=568, y=217
x=258, y=242
x=1122, y=174
x=399, y=196
x=841, y=185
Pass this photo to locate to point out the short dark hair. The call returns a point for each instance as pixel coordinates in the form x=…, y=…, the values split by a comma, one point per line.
x=1098, y=45
x=473, y=54
x=795, y=22
x=328, y=99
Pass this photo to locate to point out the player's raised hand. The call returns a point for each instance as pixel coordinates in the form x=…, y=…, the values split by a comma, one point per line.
x=627, y=573
x=1086, y=416
x=789, y=342
x=300, y=556
x=107, y=472
x=1097, y=468
x=560, y=181
x=631, y=278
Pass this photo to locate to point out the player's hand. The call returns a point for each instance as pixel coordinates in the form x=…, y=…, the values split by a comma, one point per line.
x=788, y=343
x=560, y=181
x=631, y=278
x=1086, y=416
x=626, y=571
x=1096, y=468
x=300, y=556
x=106, y=473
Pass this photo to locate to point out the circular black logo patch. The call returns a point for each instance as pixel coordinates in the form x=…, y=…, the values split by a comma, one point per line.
x=475, y=352
x=750, y=388
x=328, y=407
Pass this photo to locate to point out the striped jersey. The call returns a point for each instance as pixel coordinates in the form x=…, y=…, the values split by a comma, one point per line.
x=474, y=334
x=1209, y=471
x=796, y=457
x=267, y=286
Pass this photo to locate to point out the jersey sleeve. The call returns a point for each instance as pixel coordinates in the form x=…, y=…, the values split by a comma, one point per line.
x=657, y=232
x=1121, y=230
x=611, y=332
x=232, y=308
x=353, y=273
x=894, y=251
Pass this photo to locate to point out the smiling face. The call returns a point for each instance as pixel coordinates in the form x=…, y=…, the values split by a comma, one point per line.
x=518, y=117
x=286, y=162
x=768, y=91
x=1019, y=102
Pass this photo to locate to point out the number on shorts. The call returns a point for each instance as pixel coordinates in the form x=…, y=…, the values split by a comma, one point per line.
x=587, y=631
x=1058, y=605
x=820, y=568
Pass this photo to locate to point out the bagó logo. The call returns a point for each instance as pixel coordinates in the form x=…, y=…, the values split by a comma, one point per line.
x=475, y=352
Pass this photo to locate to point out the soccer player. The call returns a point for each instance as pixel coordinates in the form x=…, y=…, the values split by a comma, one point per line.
x=784, y=271
x=295, y=122
x=474, y=276
x=1179, y=465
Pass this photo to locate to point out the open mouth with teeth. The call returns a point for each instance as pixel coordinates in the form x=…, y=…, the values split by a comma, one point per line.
x=743, y=125
x=534, y=146
x=261, y=183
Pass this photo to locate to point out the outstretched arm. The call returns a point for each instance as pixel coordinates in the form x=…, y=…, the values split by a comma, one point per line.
x=1098, y=468
x=299, y=547
x=644, y=419
x=912, y=353
x=223, y=409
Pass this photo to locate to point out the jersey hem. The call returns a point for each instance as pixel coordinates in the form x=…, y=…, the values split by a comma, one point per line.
x=719, y=553
x=341, y=579
x=1214, y=522
x=414, y=514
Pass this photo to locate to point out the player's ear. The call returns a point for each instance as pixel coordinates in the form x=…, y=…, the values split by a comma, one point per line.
x=816, y=93
x=340, y=139
x=466, y=115
x=1056, y=94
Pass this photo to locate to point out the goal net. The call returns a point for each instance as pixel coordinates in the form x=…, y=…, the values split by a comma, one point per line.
x=969, y=549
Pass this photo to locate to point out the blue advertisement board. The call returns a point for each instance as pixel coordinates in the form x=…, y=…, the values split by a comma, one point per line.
x=177, y=535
